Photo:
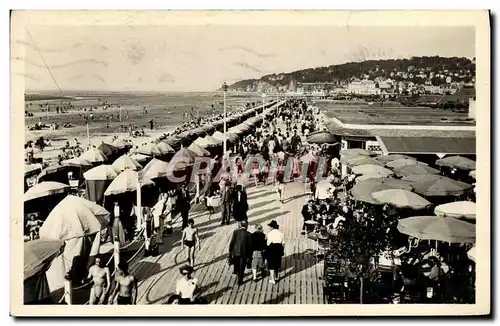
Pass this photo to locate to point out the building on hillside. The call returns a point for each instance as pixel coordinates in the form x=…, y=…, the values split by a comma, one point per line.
x=363, y=87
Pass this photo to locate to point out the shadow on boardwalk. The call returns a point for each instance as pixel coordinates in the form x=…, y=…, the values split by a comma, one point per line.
x=294, y=260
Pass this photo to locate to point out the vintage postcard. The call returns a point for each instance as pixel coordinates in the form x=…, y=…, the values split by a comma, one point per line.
x=281, y=163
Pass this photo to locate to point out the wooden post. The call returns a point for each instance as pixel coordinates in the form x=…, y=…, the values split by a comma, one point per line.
x=138, y=199
x=197, y=180
x=68, y=291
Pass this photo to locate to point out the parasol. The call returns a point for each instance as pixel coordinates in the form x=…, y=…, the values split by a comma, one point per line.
x=32, y=169
x=101, y=172
x=356, y=151
x=119, y=143
x=473, y=174
x=198, y=150
x=125, y=162
x=321, y=137
x=165, y=148
x=74, y=217
x=108, y=150
x=184, y=155
x=363, y=192
x=366, y=177
x=39, y=253
x=457, y=162
x=441, y=187
x=472, y=254
x=44, y=189
x=212, y=141
x=447, y=229
x=126, y=182
x=201, y=142
x=371, y=169
x=139, y=157
x=465, y=209
x=77, y=162
x=414, y=169
x=360, y=160
x=94, y=155
x=156, y=169
x=393, y=183
x=149, y=149
x=401, y=198
x=392, y=157
x=397, y=164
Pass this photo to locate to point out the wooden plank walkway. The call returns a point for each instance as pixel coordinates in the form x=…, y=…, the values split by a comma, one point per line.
x=300, y=279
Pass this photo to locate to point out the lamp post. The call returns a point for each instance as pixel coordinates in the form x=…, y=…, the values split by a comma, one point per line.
x=224, y=89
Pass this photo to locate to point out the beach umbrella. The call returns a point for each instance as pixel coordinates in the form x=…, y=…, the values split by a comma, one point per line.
x=243, y=127
x=360, y=160
x=198, y=150
x=119, y=143
x=371, y=169
x=32, y=169
x=149, y=149
x=392, y=157
x=457, y=162
x=414, y=169
x=212, y=141
x=201, y=142
x=165, y=148
x=235, y=130
x=108, y=150
x=401, y=198
x=156, y=169
x=232, y=137
x=40, y=253
x=174, y=141
x=363, y=192
x=356, y=151
x=441, y=187
x=94, y=155
x=366, y=177
x=472, y=254
x=57, y=173
x=402, y=162
x=466, y=209
x=218, y=135
x=390, y=182
x=321, y=137
x=101, y=172
x=74, y=217
x=185, y=156
x=125, y=162
x=76, y=162
x=446, y=229
x=139, y=157
x=473, y=174
x=44, y=189
x=422, y=177
x=126, y=182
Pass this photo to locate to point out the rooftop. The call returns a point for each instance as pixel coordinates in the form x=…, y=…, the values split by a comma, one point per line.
x=362, y=113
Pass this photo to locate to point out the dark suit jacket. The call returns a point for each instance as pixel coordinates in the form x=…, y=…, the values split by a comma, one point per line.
x=241, y=244
x=306, y=214
x=240, y=207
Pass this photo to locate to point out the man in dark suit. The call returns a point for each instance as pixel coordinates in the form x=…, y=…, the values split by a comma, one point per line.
x=240, y=250
x=308, y=213
x=240, y=204
x=184, y=204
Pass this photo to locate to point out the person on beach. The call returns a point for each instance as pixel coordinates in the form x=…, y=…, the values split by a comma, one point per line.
x=101, y=280
x=259, y=244
x=275, y=251
x=125, y=291
x=190, y=240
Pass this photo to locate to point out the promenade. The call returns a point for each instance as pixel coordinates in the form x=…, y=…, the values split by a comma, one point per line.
x=300, y=278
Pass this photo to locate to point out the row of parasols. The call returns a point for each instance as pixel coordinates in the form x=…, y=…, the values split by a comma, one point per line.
x=375, y=184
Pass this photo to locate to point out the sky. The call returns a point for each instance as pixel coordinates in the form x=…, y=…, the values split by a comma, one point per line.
x=201, y=58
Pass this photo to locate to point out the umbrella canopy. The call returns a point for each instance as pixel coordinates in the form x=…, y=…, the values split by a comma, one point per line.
x=397, y=164
x=185, y=155
x=414, y=169
x=243, y=127
x=125, y=162
x=321, y=137
x=156, y=169
x=119, y=143
x=371, y=169
x=126, y=182
x=74, y=217
x=473, y=174
x=139, y=157
x=94, y=155
x=360, y=160
x=174, y=141
x=392, y=157
x=401, y=198
x=108, y=150
x=363, y=192
x=150, y=149
x=458, y=162
x=447, y=229
x=44, y=189
x=53, y=173
x=198, y=150
x=101, y=172
x=390, y=182
x=366, y=177
x=32, y=169
x=441, y=187
x=165, y=148
x=201, y=142
x=465, y=209
x=356, y=151
x=235, y=130
x=77, y=162
x=472, y=254
x=39, y=253
x=218, y=135
x=212, y=141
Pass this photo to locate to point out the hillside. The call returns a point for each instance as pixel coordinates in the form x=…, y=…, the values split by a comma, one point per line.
x=416, y=69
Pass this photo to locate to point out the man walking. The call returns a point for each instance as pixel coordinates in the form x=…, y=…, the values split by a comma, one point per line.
x=240, y=250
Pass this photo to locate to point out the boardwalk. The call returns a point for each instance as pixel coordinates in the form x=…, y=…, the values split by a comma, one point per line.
x=301, y=277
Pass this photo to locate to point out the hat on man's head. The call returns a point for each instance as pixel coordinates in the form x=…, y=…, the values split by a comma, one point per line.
x=274, y=224
x=186, y=269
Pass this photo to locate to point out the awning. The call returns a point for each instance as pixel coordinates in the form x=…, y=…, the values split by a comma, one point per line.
x=427, y=145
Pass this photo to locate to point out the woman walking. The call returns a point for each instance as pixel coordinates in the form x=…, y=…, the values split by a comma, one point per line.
x=258, y=243
x=275, y=251
x=280, y=189
x=189, y=241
